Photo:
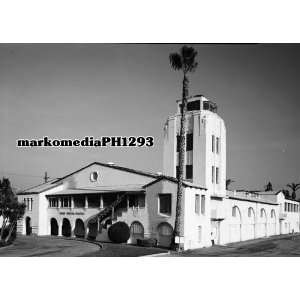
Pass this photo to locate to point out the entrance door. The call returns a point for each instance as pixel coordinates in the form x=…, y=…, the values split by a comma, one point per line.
x=215, y=229
x=28, y=226
x=165, y=232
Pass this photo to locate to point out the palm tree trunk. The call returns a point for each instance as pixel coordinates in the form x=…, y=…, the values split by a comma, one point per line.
x=4, y=222
x=179, y=222
x=10, y=231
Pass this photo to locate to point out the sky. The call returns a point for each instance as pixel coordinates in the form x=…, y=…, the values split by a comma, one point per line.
x=74, y=90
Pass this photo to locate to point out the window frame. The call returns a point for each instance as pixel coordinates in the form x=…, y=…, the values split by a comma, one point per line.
x=159, y=205
x=217, y=145
x=197, y=204
x=203, y=205
x=217, y=175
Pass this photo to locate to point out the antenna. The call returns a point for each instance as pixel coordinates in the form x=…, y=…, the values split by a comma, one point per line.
x=46, y=177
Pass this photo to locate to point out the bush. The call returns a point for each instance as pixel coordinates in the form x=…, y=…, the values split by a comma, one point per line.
x=119, y=232
x=79, y=232
x=147, y=242
x=93, y=230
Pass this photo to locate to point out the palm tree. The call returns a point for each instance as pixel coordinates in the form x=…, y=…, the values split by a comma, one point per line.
x=294, y=187
x=184, y=61
x=268, y=187
x=229, y=182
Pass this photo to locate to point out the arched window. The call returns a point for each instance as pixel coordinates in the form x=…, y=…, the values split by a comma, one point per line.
x=165, y=229
x=250, y=212
x=263, y=213
x=137, y=229
x=234, y=209
x=272, y=213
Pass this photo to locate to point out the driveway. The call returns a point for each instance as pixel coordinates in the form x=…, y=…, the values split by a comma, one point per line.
x=59, y=247
x=284, y=245
x=47, y=246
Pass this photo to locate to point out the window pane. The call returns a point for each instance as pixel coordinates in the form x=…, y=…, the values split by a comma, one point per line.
x=193, y=105
x=213, y=174
x=189, y=142
x=217, y=175
x=203, y=204
x=197, y=204
x=199, y=234
x=213, y=143
x=189, y=171
x=165, y=203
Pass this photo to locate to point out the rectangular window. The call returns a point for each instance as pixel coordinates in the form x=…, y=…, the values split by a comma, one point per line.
x=217, y=175
x=212, y=174
x=197, y=204
x=189, y=142
x=199, y=234
x=165, y=204
x=203, y=204
x=189, y=171
x=213, y=143
x=285, y=206
x=193, y=105
x=177, y=143
x=66, y=202
x=234, y=212
x=177, y=172
x=218, y=145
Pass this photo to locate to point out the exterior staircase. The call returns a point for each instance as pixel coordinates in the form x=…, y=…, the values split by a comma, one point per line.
x=106, y=212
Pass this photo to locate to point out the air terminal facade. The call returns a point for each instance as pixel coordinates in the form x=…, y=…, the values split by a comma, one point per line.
x=97, y=195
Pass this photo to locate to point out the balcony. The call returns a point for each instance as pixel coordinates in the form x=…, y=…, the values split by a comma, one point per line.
x=217, y=215
x=282, y=216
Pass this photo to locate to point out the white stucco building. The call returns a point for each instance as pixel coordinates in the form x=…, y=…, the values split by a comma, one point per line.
x=90, y=199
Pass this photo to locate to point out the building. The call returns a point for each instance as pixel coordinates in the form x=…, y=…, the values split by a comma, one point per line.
x=86, y=202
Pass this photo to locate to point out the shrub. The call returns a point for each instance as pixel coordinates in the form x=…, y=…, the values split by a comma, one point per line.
x=147, y=242
x=119, y=232
x=79, y=232
x=93, y=230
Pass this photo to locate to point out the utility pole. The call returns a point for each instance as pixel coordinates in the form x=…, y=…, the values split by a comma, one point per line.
x=46, y=177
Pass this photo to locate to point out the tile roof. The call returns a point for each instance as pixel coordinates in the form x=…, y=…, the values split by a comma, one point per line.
x=40, y=188
x=143, y=173
x=174, y=180
x=104, y=189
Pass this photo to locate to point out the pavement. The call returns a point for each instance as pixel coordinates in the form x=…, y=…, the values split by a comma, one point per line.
x=28, y=246
x=278, y=246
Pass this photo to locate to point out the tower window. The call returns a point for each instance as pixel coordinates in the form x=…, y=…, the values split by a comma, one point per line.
x=193, y=105
x=203, y=204
x=213, y=143
x=189, y=142
x=189, y=171
x=212, y=174
x=218, y=145
x=217, y=175
x=197, y=204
